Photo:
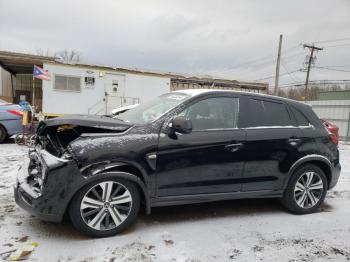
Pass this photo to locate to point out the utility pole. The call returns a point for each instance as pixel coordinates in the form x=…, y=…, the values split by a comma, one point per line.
x=278, y=65
x=312, y=49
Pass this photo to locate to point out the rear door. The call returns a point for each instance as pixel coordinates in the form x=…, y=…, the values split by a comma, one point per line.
x=273, y=142
x=209, y=159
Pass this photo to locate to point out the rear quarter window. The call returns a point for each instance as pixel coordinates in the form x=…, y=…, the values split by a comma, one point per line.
x=300, y=117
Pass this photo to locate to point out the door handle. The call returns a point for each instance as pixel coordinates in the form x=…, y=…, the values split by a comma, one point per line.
x=294, y=141
x=234, y=147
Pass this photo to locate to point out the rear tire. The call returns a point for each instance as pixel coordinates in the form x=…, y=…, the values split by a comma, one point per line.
x=306, y=190
x=105, y=207
x=3, y=134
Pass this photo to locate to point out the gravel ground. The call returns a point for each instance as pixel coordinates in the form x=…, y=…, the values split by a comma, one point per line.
x=241, y=230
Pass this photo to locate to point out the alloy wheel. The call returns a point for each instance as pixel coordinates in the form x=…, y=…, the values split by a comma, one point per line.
x=308, y=190
x=106, y=205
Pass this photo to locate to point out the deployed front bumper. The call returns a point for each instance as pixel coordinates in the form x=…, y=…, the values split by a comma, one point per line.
x=44, y=185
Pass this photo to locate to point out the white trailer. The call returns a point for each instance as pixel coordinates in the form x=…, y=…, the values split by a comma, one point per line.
x=82, y=89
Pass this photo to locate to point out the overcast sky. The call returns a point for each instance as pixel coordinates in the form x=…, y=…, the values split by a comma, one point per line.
x=203, y=37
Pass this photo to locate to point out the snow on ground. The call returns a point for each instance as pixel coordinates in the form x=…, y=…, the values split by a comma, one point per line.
x=241, y=230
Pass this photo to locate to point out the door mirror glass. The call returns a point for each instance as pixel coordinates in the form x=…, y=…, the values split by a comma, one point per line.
x=181, y=125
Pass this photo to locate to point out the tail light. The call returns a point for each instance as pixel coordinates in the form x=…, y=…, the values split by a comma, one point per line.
x=334, y=138
x=332, y=130
x=15, y=112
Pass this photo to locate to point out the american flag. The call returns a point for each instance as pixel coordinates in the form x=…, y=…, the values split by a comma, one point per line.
x=40, y=73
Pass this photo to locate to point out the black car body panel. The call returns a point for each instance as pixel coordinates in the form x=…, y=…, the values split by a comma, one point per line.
x=245, y=160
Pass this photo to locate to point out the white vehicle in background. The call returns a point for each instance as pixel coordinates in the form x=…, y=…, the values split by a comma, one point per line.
x=122, y=109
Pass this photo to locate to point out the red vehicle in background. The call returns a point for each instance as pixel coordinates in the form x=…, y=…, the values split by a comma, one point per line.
x=333, y=129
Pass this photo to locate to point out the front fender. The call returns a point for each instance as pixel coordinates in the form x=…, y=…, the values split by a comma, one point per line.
x=106, y=166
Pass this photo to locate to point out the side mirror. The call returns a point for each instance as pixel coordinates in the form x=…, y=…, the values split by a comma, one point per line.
x=181, y=125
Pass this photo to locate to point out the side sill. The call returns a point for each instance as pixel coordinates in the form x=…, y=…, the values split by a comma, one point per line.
x=201, y=198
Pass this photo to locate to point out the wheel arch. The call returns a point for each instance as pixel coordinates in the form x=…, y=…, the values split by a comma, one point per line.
x=317, y=160
x=108, y=166
x=115, y=174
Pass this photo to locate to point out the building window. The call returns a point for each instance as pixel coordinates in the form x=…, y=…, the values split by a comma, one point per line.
x=67, y=83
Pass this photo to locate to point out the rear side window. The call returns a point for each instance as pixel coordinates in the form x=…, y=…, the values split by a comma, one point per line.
x=301, y=119
x=267, y=113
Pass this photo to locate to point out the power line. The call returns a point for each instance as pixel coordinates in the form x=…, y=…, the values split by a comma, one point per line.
x=269, y=77
x=297, y=54
x=330, y=46
x=284, y=65
x=268, y=60
x=241, y=65
x=332, y=40
x=332, y=69
x=336, y=66
x=267, y=63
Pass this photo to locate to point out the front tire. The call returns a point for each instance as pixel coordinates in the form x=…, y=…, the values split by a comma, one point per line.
x=105, y=207
x=306, y=190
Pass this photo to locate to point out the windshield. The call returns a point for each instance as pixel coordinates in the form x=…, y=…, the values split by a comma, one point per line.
x=153, y=109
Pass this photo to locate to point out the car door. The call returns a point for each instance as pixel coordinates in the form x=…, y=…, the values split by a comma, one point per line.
x=272, y=145
x=208, y=159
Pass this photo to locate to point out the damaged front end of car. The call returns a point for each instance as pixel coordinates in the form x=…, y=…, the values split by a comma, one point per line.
x=55, y=135
x=51, y=173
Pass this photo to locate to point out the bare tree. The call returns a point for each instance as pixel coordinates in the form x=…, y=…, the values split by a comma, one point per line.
x=43, y=52
x=68, y=56
x=65, y=56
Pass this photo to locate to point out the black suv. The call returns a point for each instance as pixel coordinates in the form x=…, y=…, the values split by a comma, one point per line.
x=182, y=147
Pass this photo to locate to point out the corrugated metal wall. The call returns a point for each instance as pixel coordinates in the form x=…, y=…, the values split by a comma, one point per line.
x=335, y=111
x=20, y=82
x=25, y=82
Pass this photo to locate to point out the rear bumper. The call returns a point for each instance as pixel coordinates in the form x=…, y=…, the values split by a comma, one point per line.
x=335, y=175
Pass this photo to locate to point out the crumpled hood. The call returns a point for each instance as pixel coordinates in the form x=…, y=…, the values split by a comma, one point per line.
x=56, y=134
x=101, y=122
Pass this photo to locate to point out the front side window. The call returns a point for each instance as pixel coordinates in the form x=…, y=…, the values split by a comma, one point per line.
x=213, y=113
x=267, y=113
x=67, y=83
